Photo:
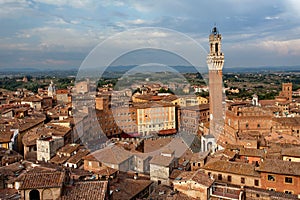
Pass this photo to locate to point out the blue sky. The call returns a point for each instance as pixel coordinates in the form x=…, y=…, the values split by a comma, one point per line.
x=61, y=33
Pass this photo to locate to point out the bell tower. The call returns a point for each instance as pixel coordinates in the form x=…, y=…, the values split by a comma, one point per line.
x=215, y=62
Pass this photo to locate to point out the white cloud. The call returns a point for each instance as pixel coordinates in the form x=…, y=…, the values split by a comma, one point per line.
x=14, y=8
x=273, y=47
x=14, y=46
x=282, y=48
x=270, y=26
x=71, y=3
x=116, y=3
x=144, y=38
x=58, y=21
x=51, y=38
x=272, y=17
x=292, y=9
x=83, y=4
x=141, y=7
x=295, y=4
x=137, y=21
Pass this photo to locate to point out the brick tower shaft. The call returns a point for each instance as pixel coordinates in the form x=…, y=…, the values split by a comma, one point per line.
x=215, y=62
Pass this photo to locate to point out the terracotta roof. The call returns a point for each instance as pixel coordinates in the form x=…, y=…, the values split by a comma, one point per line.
x=47, y=130
x=149, y=97
x=31, y=99
x=267, y=102
x=280, y=167
x=201, y=178
x=9, y=193
x=6, y=111
x=78, y=156
x=270, y=194
x=228, y=153
x=110, y=154
x=232, y=167
x=68, y=148
x=62, y=91
x=80, y=172
x=196, y=157
x=293, y=152
x=11, y=169
x=30, y=138
x=153, y=145
x=107, y=171
x=29, y=122
x=66, y=120
x=161, y=160
x=288, y=121
x=21, y=109
x=94, y=190
x=59, y=159
x=43, y=180
x=175, y=173
x=6, y=136
x=168, y=194
x=7, y=152
x=167, y=132
x=152, y=105
x=197, y=107
x=252, y=152
x=282, y=138
x=197, y=176
x=128, y=188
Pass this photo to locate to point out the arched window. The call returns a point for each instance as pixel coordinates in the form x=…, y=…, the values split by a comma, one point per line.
x=209, y=146
x=216, y=47
x=34, y=195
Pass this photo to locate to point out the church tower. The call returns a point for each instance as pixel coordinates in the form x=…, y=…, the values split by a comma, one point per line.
x=51, y=90
x=215, y=62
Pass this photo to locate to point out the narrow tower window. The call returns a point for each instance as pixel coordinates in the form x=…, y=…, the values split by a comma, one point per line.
x=216, y=47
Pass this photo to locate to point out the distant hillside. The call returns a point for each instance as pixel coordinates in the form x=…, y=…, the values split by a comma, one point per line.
x=260, y=69
x=122, y=69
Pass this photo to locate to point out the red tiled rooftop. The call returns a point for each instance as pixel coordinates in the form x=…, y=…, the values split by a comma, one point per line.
x=43, y=180
x=231, y=167
x=280, y=167
x=93, y=190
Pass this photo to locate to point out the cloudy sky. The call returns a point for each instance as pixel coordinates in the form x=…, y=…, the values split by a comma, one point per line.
x=61, y=33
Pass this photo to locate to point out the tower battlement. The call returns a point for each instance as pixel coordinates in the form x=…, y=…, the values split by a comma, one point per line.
x=215, y=62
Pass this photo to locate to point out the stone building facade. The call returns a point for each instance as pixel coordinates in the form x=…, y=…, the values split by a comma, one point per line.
x=194, y=184
x=241, y=174
x=189, y=118
x=161, y=167
x=242, y=119
x=42, y=185
x=280, y=176
x=153, y=117
x=47, y=147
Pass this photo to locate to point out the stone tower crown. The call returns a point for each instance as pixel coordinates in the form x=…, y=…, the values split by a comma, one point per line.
x=215, y=58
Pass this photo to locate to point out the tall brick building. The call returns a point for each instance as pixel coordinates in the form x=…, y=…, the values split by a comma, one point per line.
x=287, y=91
x=243, y=119
x=215, y=62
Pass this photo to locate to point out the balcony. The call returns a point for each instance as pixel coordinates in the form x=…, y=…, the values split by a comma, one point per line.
x=226, y=192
